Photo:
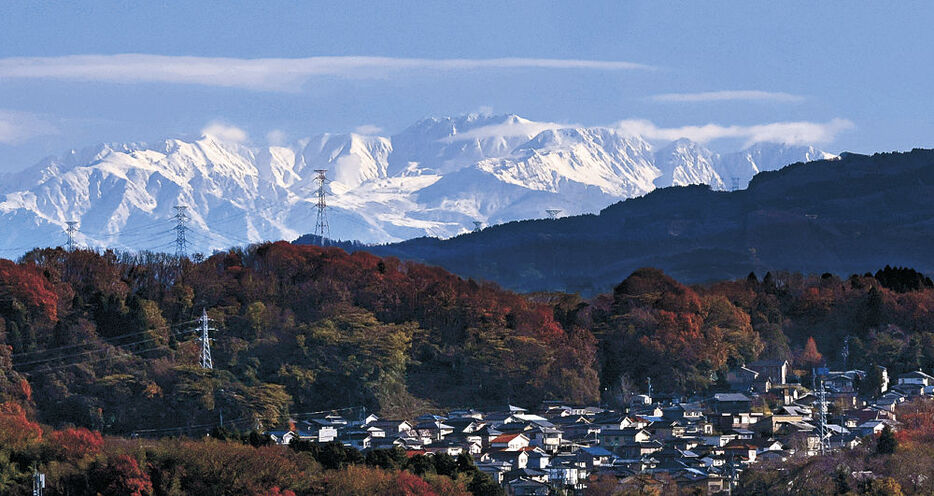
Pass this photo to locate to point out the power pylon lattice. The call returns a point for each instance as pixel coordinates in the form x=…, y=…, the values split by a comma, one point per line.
x=181, y=229
x=553, y=213
x=477, y=225
x=821, y=413
x=322, y=229
x=206, y=361
x=71, y=231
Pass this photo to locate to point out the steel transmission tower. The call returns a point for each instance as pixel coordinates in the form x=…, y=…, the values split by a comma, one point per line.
x=734, y=183
x=322, y=230
x=206, y=361
x=181, y=229
x=821, y=413
x=553, y=213
x=71, y=231
x=477, y=225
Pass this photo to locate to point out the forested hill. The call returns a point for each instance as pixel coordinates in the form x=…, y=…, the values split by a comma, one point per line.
x=842, y=216
x=106, y=340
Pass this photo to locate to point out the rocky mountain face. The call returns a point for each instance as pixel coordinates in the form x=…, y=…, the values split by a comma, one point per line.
x=436, y=178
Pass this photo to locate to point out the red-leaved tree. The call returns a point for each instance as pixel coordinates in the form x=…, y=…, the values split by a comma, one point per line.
x=122, y=476
x=75, y=444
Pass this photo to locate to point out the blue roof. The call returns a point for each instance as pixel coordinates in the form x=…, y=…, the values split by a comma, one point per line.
x=597, y=451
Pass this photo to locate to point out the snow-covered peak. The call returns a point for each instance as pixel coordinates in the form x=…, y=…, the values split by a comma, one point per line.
x=685, y=162
x=738, y=168
x=435, y=178
x=444, y=145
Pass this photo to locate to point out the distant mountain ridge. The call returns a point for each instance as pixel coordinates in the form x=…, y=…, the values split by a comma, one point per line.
x=435, y=178
x=852, y=215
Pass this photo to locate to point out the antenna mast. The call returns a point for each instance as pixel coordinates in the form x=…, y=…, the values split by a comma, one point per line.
x=206, y=361
x=71, y=231
x=322, y=230
x=181, y=228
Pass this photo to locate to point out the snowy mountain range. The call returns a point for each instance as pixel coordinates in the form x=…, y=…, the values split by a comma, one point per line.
x=435, y=178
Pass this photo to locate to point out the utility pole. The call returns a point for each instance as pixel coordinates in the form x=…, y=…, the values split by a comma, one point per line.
x=322, y=230
x=181, y=229
x=71, y=231
x=38, y=483
x=206, y=361
x=846, y=352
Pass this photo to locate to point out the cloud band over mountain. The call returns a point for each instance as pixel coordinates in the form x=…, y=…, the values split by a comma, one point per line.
x=790, y=133
x=728, y=95
x=265, y=74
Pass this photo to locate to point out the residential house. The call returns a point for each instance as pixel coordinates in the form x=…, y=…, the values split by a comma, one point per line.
x=614, y=438
x=776, y=371
x=595, y=457
x=360, y=440
x=527, y=487
x=435, y=429
x=916, y=378
x=731, y=403
x=392, y=426
x=281, y=437
x=510, y=442
x=741, y=379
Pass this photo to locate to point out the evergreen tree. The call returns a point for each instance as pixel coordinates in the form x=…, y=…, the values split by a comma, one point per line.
x=887, y=442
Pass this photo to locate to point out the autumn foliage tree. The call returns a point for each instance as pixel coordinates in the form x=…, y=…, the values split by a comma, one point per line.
x=17, y=431
x=75, y=443
x=122, y=476
x=810, y=357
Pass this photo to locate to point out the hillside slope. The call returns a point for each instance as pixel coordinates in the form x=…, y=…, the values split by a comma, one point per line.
x=845, y=216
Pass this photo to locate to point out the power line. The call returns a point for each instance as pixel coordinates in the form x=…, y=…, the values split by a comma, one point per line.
x=106, y=340
x=96, y=350
x=85, y=362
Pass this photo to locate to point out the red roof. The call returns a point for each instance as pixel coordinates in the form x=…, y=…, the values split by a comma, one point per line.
x=504, y=438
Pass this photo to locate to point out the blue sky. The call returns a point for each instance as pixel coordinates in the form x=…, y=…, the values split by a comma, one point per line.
x=848, y=75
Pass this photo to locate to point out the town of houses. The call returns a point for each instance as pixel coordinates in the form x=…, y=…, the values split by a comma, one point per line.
x=697, y=443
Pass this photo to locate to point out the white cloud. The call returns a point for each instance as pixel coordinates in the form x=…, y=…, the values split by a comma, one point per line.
x=512, y=127
x=271, y=74
x=276, y=137
x=485, y=110
x=225, y=132
x=368, y=129
x=791, y=133
x=730, y=95
x=17, y=127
